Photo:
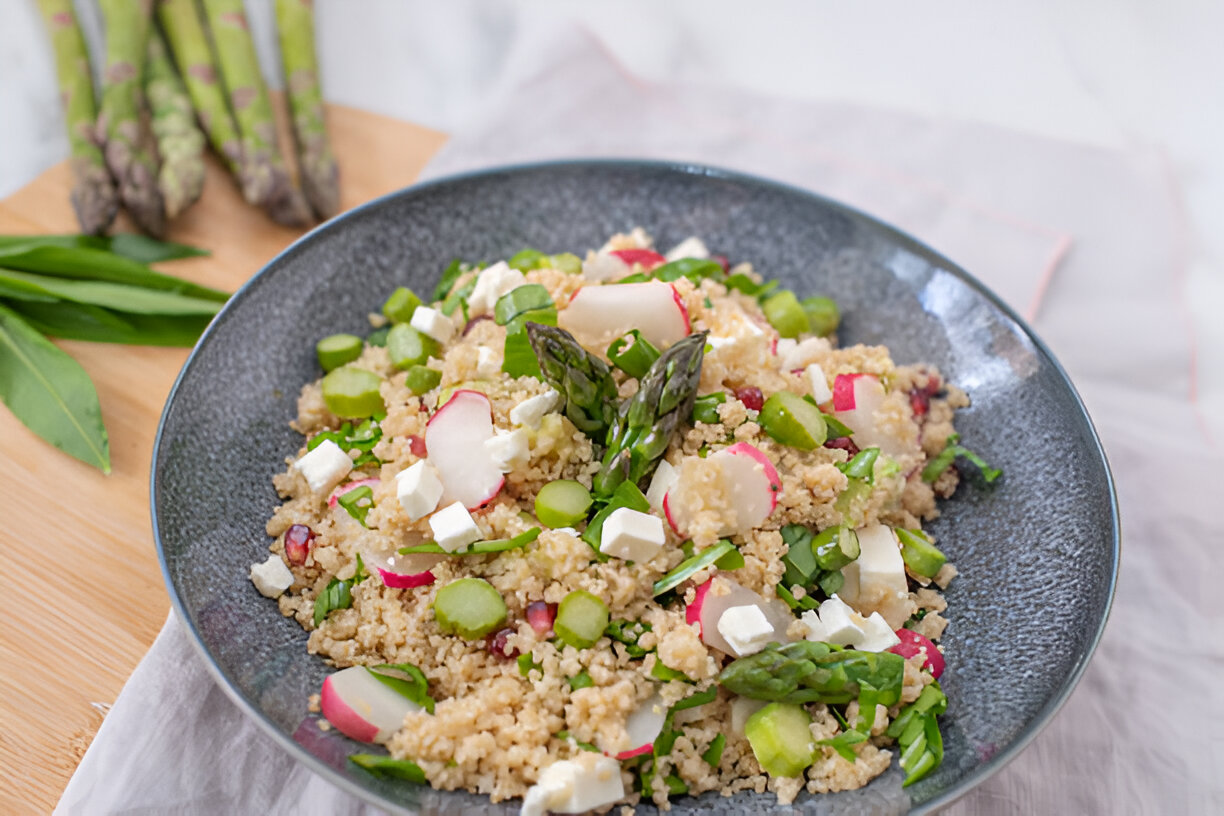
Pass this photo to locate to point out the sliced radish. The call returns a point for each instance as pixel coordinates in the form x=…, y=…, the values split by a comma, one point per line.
x=913, y=643
x=719, y=594
x=747, y=482
x=856, y=398
x=644, y=726
x=344, y=488
x=597, y=315
x=664, y=478
x=405, y=580
x=856, y=391
x=403, y=571
x=455, y=437
x=361, y=707
x=648, y=259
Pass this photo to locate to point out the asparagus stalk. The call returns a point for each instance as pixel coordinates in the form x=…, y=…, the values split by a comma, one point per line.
x=262, y=173
x=93, y=193
x=810, y=672
x=179, y=141
x=180, y=19
x=584, y=379
x=128, y=152
x=649, y=419
x=316, y=164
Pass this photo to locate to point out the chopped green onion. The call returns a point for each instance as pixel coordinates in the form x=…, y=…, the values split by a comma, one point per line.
x=784, y=313
x=780, y=738
x=831, y=583
x=400, y=306
x=793, y=421
x=407, y=347
x=526, y=260
x=421, y=379
x=730, y=562
x=935, y=468
x=713, y=754
x=919, y=554
x=806, y=602
x=822, y=314
x=338, y=594
x=692, y=268
x=358, y=502
x=627, y=494
x=916, y=730
x=705, y=408
x=633, y=354
x=337, y=349
x=526, y=662
x=835, y=547
x=697, y=698
x=494, y=545
x=459, y=298
x=581, y=619
x=685, y=569
x=454, y=270
x=562, y=503
x=862, y=466
x=580, y=681
x=627, y=633
x=407, y=680
x=742, y=283
x=389, y=767
x=469, y=607
x=667, y=674
x=800, y=563
x=352, y=392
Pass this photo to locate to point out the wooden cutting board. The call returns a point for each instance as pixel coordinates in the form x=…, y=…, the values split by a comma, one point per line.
x=81, y=588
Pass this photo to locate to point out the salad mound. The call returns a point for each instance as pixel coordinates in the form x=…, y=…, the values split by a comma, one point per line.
x=622, y=528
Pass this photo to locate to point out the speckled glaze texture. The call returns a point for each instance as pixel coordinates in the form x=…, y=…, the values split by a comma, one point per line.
x=1038, y=553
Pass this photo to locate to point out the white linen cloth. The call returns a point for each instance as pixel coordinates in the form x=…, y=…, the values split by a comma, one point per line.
x=1086, y=243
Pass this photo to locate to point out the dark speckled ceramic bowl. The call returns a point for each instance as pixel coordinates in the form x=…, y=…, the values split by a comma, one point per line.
x=1038, y=554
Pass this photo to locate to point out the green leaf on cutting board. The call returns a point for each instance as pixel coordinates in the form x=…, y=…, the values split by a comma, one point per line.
x=131, y=245
x=81, y=321
x=50, y=393
x=109, y=295
x=98, y=265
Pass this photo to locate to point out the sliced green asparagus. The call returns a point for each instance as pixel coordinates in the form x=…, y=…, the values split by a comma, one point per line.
x=582, y=378
x=809, y=672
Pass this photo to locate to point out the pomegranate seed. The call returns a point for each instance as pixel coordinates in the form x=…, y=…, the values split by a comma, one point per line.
x=498, y=644
x=297, y=543
x=751, y=396
x=722, y=261
x=417, y=445
x=920, y=402
x=541, y=616
x=843, y=443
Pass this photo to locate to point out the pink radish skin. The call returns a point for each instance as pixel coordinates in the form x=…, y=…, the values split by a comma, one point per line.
x=844, y=398
x=644, y=726
x=597, y=315
x=361, y=707
x=688, y=324
x=750, y=485
x=400, y=580
x=455, y=437
x=692, y=612
x=913, y=643
x=648, y=259
x=344, y=488
x=709, y=606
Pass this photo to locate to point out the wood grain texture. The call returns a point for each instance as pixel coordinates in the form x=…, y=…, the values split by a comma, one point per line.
x=84, y=591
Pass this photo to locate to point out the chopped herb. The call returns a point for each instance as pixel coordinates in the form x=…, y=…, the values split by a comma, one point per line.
x=862, y=466
x=378, y=337
x=628, y=632
x=358, y=502
x=685, y=569
x=389, y=767
x=338, y=594
x=567, y=736
x=833, y=427
x=458, y=298
x=580, y=681
x=692, y=268
x=627, y=494
x=413, y=686
x=529, y=303
x=666, y=673
x=480, y=547
x=916, y=731
x=705, y=408
x=454, y=270
x=842, y=742
x=526, y=663
x=521, y=301
x=363, y=438
x=742, y=283
x=713, y=754
x=952, y=449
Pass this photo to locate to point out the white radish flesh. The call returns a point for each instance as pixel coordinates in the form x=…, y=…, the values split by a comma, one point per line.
x=455, y=437
x=597, y=315
x=361, y=707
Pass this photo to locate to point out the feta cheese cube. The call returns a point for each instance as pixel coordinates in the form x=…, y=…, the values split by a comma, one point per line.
x=631, y=535
x=508, y=449
x=741, y=709
x=488, y=366
x=586, y=782
x=602, y=266
x=665, y=476
x=419, y=489
x=802, y=354
x=530, y=411
x=324, y=467
x=815, y=629
x=879, y=575
x=746, y=629
x=453, y=527
x=271, y=577
x=839, y=621
x=817, y=382
x=491, y=284
x=691, y=247
x=433, y=323
x=878, y=636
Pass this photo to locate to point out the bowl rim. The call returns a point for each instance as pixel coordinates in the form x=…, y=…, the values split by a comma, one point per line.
x=966, y=783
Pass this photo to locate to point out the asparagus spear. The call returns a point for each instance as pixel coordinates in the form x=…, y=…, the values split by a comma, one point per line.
x=648, y=420
x=809, y=672
x=179, y=141
x=262, y=173
x=584, y=379
x=93, y=193
x=128, y=152
x=180, y=19
x=316, y=164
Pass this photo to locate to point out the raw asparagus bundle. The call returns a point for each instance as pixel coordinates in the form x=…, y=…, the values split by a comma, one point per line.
x=648, y=420
x=180, y=19
x=180, y=144
x=316, y=164
x=93, y=193
x=127, y=138
x=262, y=173
x=582, y=378
x=810, y=672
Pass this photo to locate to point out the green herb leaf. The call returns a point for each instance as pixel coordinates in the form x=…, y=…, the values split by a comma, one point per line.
x=633, y=354
x=628, y=632
x=692, y=268
x=388, y=767
x=834, y=428
x=862, y=466
x=526, y=663
x=358, y=502
x=122, y=297
x=586, y=746
x=520, y=301
x=742, y=283
x=99, y=265
x=626, y=494
x=414, y=686
x=935, y=468
x=338, y=594
x=495, y=545
x=81, y=321
x=713, y=754
x=458, y=298
x=843, y=741
x=50, y=393
x=666, y=673
x=580, y=681
x=685, y=569
x=705, y=408
x=453, y=271
x=134, y=246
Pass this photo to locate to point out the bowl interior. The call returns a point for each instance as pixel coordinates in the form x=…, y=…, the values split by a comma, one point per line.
x=1037, y=553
